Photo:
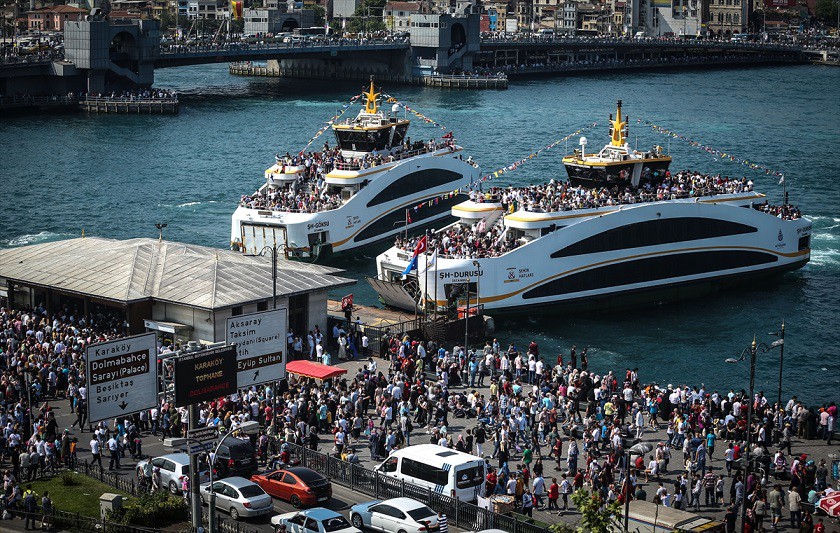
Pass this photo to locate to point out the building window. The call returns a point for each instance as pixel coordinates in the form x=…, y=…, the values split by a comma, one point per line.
x=236, y=311
x=735, y=18
x=262, y=306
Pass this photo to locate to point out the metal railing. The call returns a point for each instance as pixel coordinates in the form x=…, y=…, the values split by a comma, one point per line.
x=109, y=478
x=357, y=478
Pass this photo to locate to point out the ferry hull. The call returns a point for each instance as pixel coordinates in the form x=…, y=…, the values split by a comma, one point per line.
x=621, y=257
x=671, y=293
x=408, y=196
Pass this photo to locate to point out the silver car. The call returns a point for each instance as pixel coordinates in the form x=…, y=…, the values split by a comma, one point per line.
x=238, y=496
x=173, y=467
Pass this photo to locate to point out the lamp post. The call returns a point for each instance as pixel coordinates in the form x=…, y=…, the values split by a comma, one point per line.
x=467, y=319
x=752, y=349
x=640, y=448
x=477, y=266
x=160, y=226
x=274, y=249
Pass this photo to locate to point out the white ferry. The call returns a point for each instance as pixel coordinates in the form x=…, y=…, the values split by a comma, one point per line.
x=667, y=238
x=356, y=193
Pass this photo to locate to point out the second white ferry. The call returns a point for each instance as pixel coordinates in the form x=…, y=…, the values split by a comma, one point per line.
x=626, y=239
x=360, y=191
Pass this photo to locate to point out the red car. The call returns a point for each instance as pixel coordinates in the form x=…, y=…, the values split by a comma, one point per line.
x=299, y=485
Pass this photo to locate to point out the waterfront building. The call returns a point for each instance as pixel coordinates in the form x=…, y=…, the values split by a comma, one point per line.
x=207, y=10
x=277, y=19
x=727, y=17
x=397, y=15
x=658, y=18
x=182, y=291
x=53, y=18
x=344, y=9
x=569, y=25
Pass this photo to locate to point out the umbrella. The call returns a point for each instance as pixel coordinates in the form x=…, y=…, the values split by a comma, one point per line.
x=830, y=504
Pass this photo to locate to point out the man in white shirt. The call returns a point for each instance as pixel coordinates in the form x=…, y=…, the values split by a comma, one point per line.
x=96, y=451
x=114, y=450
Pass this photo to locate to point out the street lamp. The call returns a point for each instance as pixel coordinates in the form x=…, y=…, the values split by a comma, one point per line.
x=753, y=349
x=641, y=449
x=160, y=226
x=477, y=266
x=274, y=250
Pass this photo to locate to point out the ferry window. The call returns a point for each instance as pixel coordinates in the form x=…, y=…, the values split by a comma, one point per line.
x=262, y=306
x=804, y=242
x=236, y=311
x=650, y=269
x=395, y=220
x=653, y=232
x=414, y=183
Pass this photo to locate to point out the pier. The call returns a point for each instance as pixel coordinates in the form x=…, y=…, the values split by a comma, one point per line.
x=466, y=82
x=130, y=106
x=92, y=104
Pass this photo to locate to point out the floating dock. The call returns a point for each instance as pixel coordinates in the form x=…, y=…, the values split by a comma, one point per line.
x=127, y=106
x=440, y=81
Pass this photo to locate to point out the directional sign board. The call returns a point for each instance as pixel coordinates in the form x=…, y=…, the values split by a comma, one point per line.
x=204, y=376
x=206, y=438
x=260, y=340
x=122, y=377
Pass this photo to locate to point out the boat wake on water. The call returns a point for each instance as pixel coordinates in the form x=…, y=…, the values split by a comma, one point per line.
x=35, y=238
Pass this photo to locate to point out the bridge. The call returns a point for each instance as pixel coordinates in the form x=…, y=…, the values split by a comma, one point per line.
x=103, y=56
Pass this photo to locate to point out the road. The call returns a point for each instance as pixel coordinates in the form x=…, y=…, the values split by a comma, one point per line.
x=343, y=497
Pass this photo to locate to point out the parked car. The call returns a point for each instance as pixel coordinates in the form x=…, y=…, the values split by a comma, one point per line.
x=172, y=468
x=239, y=497
x=397, y=515
x=299, y=485
x=236, y=457
x=317, y=520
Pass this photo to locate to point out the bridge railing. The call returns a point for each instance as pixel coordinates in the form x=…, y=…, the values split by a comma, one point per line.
x=302, y=45
x=655, y=41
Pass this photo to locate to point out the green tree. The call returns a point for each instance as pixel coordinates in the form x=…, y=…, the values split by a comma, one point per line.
x=826, y=10
x=367, y=18
x=320, y=15
x=595, y=516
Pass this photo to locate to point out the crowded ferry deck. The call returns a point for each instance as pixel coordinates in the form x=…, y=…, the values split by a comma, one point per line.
x=495, y=222
x=355, y=190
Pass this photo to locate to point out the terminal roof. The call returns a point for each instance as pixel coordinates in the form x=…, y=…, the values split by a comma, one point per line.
x=145, y=269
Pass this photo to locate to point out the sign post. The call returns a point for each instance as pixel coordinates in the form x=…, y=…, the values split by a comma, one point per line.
x=204, y=376
x=260, y=341
x=122, y=376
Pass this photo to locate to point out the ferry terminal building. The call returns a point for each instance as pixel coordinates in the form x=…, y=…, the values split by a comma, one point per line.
x=181, y=291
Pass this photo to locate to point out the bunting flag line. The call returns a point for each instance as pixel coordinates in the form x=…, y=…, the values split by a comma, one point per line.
x=331, y=121
x=714, y=152
x=513, y=166
x=520, y=162
x=391, y=100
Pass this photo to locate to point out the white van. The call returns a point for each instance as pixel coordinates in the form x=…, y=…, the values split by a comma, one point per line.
x=439, y=469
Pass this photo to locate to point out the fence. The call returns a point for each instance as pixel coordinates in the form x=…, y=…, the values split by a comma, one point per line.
x=67, y=521
x=359, y=479
x=108, y=478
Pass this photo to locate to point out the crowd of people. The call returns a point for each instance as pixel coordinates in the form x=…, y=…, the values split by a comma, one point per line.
x=481, y=240
x=550, y=425
x=309, y=192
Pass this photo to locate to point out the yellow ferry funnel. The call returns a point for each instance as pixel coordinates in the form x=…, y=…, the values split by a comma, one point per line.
x=619, y=128
x=370, y=99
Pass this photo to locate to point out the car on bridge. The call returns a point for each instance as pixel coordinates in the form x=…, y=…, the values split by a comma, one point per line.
x=298, y=485
x=239, y=497
x=317, y=520
x=397, y=515
x=172, y=467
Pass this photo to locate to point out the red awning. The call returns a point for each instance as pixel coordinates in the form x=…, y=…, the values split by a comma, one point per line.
x=311, y=369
